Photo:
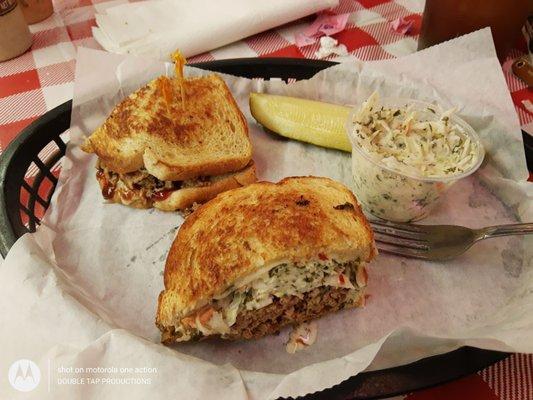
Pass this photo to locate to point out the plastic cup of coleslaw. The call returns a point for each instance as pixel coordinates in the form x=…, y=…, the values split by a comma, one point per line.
x=393, y=191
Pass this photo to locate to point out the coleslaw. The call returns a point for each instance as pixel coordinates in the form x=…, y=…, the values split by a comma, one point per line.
x=406, y=154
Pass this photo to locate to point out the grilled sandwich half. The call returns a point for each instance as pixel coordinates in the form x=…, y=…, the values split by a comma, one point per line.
x=267, y=255
x=172, y=143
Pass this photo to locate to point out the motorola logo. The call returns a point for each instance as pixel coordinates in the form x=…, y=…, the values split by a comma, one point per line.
x=24, y=375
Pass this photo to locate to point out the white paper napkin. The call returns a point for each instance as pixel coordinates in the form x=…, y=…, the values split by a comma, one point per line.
x=156, y=28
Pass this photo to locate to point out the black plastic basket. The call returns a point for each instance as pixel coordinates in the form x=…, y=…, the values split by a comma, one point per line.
x=16, y=219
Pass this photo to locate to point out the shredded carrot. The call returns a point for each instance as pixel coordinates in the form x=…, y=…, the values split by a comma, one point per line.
x=407, y=127
x=205, y=316
x=189, y=321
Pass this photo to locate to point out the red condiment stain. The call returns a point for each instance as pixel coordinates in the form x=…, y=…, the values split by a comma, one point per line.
x=322, y=256
x=108, y=191
x=160, y=196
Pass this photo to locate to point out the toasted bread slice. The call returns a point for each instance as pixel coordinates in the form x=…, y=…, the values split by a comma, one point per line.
x=173, y=140
x=190, y=192
x=244, y=232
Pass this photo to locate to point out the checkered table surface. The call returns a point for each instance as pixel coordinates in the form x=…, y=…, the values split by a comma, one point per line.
x=42, y=78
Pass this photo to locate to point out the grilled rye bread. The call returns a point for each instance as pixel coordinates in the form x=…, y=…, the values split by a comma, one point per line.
x=257, y=258
x=161, y=149
x=205, y=135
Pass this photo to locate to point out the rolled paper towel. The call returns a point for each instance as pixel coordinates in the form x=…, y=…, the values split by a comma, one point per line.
x=156, y=28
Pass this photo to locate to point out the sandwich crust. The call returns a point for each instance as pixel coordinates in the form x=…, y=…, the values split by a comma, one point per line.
x=298, y=219
x=204, y=135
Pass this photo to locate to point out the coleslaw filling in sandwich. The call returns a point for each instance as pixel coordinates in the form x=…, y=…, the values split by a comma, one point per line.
x=269, y=286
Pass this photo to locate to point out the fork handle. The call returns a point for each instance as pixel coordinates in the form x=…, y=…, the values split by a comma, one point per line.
x=504, y=230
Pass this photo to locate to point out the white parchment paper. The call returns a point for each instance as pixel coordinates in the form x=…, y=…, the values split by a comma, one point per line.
x=82, y=291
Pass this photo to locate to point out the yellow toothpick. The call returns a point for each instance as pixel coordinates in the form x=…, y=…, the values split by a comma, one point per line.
x=179, y=62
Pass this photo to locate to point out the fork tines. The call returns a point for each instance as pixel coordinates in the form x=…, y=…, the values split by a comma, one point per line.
x=402, y=239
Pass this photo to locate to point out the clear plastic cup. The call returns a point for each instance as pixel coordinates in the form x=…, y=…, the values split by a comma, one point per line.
x=396, y=195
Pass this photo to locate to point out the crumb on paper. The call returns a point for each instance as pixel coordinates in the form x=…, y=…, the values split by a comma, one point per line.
x=302, y=336
x=329, y=46
x=361, y=276
x=189, y=210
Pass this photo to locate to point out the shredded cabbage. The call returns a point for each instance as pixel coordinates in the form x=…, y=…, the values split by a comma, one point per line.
x=282, y=280
x=402, y=141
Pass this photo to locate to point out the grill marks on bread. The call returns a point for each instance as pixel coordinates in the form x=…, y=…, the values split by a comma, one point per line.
x=209, y=136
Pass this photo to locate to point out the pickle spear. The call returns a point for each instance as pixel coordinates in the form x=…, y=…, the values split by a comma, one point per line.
x=322, y=124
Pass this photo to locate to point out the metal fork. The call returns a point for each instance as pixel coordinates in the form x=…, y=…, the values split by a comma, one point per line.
x=436, y=242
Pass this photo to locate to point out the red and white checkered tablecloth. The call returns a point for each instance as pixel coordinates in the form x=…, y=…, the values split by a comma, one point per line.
x=42, y=78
